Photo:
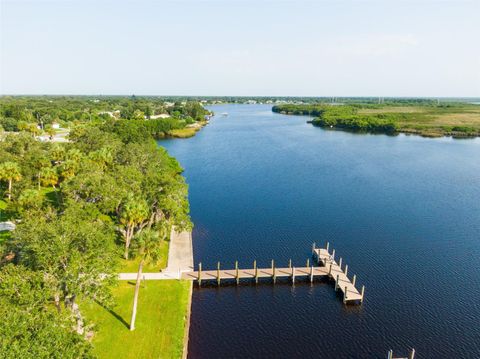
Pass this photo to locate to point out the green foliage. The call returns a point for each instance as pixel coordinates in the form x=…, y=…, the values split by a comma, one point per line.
x=31, y=328
x=76, y=203
x=75, y=251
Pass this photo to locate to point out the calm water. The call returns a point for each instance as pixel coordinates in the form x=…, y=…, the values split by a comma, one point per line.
x=403, y=212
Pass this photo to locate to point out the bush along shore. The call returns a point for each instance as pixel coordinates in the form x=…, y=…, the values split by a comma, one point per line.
x=425, y=118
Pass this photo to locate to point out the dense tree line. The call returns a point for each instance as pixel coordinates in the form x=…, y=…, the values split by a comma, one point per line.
x=344, y=117
x=19, y=113
x=79, y=208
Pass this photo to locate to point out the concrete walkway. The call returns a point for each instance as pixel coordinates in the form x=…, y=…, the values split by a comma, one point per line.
x=180, y=259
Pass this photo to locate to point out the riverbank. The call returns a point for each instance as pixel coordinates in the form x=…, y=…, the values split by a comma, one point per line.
x=187, y=131
x=163, y=318
x=458, y=120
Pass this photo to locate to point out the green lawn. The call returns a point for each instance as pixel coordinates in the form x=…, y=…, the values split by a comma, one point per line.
x=160, y=325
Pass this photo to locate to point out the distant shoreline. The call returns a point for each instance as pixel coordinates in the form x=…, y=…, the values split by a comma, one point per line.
x=457, y=121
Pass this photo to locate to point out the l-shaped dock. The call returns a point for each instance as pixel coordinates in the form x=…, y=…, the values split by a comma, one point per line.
x=327, y=267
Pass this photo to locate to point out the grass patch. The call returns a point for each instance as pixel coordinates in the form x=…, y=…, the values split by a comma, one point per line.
x=183, y=132
x=160, y=325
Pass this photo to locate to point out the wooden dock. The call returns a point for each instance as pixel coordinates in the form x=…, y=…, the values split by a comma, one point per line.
x=327, y=267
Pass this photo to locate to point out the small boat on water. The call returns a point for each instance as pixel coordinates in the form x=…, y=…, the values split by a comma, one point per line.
x=224, y=113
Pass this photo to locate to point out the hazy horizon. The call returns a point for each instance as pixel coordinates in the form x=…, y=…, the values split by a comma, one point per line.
x=348, y=48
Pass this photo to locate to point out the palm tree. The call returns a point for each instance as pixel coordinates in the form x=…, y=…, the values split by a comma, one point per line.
x=133, y=217
x=147, y=244
x=10, y=171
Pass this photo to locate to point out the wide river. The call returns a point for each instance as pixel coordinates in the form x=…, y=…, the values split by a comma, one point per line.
x=403, y=212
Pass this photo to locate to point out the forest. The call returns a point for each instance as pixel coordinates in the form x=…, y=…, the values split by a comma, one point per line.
x=83, y=210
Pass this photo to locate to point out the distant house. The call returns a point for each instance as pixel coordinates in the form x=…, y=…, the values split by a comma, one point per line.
x=55, y=125
x=162, y=115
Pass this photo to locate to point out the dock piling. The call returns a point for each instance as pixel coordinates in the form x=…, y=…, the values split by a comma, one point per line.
x=313, y=248
x=308, y=262
x=311, y=273
x=199, y=274
x=345, y=295
x=218, y=273
x=412, y=354
x=340, y=263
x=236, y=272
x=390, y=354
x=330, y=270
x=289, y=263
x=336, y=283
x=363, y=293
x=354, y=279
x=328, y=245
x=255, y=270
x=273, y=271
x=333, y=255
x=293, y=275
x=346, y=269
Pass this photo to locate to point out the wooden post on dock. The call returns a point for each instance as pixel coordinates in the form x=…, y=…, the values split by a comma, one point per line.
x=363, y=293
x=340, y=263
x=255, y=270
x=333, y=255
x=311, y=273
x=327, y=247
x=345, y=295
x=236, y=272
x=390, y=354
x=313, y=248
x=293, y=275
x=336, y=282
x=218, y=273
x=330, y=270
x=412, y=354
x=346, y=269
x=273, y=271
x=290, y=263
x=308, y=262
x=199, y=274
x=354, y=279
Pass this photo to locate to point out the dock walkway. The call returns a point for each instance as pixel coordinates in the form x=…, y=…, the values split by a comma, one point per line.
x=327, y=267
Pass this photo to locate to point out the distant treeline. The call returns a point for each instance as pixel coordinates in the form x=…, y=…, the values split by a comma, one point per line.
x=426, y=118
x=345, y=117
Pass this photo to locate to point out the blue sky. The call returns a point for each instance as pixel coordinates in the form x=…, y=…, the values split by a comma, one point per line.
x=187, y=47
